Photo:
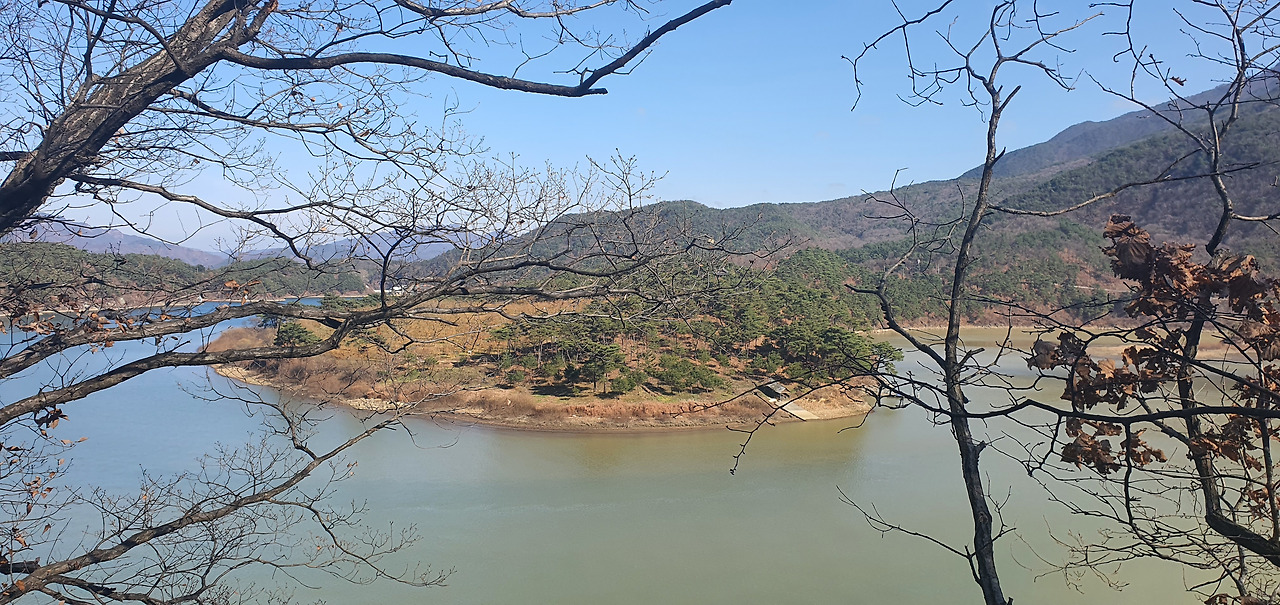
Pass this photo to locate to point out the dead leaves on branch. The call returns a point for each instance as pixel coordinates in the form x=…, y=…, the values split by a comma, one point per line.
x=235, y=289
x=1233, y=440
x=1091, y=383
x=1262, y=337
x=1173, y=292
x=1046, y=356
x=1131, y=251
x=1172, y=285
x=1093, y=449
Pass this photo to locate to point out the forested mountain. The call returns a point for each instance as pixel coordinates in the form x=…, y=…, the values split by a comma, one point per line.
x=374, y=245
x=1053, y=260
x=1181, y=210
x=1078, y=144
x=97, y=239
x=1080, y=162
x=1050, y=262
x=1077, y=164
x=51, y=276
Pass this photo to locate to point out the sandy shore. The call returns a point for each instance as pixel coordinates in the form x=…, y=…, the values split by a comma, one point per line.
x=822, y=405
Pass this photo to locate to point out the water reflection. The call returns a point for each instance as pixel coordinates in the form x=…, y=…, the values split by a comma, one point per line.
x=637, y=518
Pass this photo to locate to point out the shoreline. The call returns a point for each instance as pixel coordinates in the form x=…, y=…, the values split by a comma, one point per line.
x=1026, y=329
x=580, y=425
x=191, y=303
x=545, y=417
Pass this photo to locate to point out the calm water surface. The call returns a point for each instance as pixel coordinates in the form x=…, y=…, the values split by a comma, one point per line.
x=525, y=517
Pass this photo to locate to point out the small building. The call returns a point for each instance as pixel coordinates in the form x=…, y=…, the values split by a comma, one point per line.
x=774, y=391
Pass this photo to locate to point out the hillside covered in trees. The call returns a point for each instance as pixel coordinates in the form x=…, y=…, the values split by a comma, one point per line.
x=1058, y=259
x=51, y=276
x=796, y=323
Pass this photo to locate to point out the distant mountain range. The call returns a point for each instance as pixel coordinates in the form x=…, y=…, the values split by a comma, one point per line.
x=105, y=240
x=373, y=246
x=100, y=240
x=1078, y=143
x=1081, y=161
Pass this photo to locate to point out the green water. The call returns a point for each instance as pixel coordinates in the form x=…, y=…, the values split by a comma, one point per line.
x=523, y=517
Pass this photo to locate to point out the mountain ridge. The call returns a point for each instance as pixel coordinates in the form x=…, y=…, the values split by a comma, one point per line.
x=1081, y=160
x=102, y=240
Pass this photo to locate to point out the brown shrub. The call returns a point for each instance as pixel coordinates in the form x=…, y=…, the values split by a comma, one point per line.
x=332, y=384
x=507, y=403
x=239, y=338
x=294, y=370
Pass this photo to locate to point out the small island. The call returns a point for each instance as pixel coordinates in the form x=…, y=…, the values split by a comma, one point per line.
x=576, y=366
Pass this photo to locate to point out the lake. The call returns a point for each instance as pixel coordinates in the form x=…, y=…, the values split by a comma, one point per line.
x=535, y=517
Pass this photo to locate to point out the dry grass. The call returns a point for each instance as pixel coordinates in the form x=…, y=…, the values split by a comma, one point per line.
x=834, y=401
x=553, y=411
x=438, y=372
x=240, y=338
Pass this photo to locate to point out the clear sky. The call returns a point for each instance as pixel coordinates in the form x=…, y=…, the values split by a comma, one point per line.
x=752, y=103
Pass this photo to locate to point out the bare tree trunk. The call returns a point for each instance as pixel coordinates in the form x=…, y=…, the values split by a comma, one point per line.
x=984, y=535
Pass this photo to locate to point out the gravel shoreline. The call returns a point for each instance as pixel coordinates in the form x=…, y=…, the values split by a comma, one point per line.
x=824, y=407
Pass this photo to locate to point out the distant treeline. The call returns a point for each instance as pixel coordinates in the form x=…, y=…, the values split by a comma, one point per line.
x=798, y=320
x=47, y=273
x=1046, y=266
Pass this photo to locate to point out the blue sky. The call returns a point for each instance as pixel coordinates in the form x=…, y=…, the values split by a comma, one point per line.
x=752, y=103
